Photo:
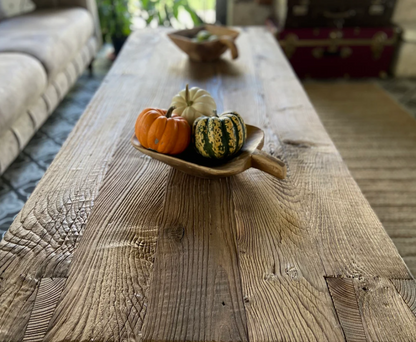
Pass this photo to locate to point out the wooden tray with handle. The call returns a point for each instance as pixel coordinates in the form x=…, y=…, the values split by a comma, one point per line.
x=250, y=155
x=209, y=50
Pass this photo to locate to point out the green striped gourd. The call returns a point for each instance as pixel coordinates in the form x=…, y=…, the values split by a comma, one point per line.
x=219, y=137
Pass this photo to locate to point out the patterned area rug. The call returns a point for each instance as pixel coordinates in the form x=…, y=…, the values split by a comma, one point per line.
x=403, y=91
x=22, y=176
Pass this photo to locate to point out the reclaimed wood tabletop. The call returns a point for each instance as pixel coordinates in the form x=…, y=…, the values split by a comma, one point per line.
x=116, y=246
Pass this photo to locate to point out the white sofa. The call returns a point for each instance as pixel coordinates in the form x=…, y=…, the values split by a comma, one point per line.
x=405, y=17
x=42, y=53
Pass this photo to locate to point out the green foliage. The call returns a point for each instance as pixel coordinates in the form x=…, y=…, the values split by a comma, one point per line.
x=115, y=18
x=165, y=11
x=202, y=4
x=116, y=15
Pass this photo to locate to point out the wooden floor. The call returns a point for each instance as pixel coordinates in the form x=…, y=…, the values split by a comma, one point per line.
x=377, y=139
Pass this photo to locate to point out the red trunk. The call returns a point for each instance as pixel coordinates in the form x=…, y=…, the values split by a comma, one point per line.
x=347, y=52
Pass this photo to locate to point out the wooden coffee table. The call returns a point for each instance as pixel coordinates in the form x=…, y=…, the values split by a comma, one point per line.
x=115, y=246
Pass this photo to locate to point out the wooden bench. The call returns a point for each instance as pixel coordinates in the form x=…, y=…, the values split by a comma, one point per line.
x=115, y=246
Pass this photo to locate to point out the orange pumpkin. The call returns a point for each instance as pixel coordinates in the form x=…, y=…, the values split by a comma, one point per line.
x=159, y=130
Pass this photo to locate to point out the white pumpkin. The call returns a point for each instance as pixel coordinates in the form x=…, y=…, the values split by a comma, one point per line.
x=193, y=103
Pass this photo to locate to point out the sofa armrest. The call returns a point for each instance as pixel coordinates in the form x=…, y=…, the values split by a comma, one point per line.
x=90, y=5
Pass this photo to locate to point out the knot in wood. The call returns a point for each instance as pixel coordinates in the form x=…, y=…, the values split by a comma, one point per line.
x=175, y=233
x=297, y=143
x=292, y=272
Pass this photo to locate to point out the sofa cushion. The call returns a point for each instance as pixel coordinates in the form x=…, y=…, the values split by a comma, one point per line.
x=53, y=36
x=11, y=8
x=22, y=81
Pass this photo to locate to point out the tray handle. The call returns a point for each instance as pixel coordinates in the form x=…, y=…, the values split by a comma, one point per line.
x=269, y=164
x=227, y=40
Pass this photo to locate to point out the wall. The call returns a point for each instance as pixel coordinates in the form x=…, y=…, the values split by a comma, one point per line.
x=247, y=12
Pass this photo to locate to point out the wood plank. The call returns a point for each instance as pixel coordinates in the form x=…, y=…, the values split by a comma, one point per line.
x=114, y=261
x=407, y=290
x=47, y=298
x=385, y=314
x=282, y=274
x=26, y=290
x=345, y=302
x=196, y=291
x=280, y=269
x=106, y=293
x=41, y=241
x=202, y=300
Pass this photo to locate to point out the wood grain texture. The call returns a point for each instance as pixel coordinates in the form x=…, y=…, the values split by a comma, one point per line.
x=377, y=139
x=345, y=301
x=106, y=293
x=196, y=291
x=407, y=290
x=280, y=268
x=385, y=314
x=282, y=275
x=124, y=227
x=47, y=298
x=153, y=254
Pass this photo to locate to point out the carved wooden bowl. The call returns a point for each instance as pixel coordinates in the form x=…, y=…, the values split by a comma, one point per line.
x=210, y=50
